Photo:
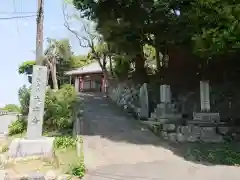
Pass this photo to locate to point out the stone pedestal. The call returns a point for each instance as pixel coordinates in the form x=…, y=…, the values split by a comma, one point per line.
x=42, y=147
x=205, y=119
x=165, y=111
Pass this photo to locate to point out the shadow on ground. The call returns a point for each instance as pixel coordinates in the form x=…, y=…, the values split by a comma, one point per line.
x=161, y=171
x=103, y=118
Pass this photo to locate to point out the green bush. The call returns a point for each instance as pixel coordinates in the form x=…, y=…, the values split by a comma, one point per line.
x=17, y=127
x=24, y=99
x=59, y=108
x=65, y=142
x=77, y=169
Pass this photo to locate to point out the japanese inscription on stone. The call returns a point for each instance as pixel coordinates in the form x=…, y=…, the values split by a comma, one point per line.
x=36, y=108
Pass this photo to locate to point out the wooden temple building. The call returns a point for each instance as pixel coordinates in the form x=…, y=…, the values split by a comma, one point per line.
x=88, y=78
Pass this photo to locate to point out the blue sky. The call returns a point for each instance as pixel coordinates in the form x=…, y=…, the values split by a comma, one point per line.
x=18, y=41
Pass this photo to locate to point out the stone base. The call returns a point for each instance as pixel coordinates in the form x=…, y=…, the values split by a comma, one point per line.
x=42, y=147
x=206, y=117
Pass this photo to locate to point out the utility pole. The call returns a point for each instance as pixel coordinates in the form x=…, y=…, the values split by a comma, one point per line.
x=39, y=36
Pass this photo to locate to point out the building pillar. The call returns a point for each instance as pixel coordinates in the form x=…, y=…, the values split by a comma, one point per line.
x=104, y=85
x=81, y=82
x=76, y=85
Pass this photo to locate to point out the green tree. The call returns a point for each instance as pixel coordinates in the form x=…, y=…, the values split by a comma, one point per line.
x=24, y=99
x=209, y=28
x=58, y=57
x=11, y=108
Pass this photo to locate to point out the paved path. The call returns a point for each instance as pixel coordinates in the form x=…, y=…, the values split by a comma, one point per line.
x=118, y=148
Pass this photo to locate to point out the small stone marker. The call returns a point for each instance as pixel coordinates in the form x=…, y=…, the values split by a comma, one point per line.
x=205, y=96
x=34, y=144
x=165, y=93
x=144, y=103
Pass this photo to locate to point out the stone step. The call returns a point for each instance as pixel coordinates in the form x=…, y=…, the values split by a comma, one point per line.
x=202, y=123
x=150, y=123
x=170, y=116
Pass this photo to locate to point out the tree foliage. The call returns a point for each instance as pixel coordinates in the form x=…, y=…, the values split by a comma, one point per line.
x=26, y=67
x=209, y=27
x=11, y=108
x=58, y=58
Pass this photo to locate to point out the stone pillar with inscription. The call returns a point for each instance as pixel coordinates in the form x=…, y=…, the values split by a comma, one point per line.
x=34, y=144
x=205, y=116
x=144, y=102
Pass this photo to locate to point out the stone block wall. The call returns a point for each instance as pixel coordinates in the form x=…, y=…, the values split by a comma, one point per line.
x=168, y=123
x=193, y=133
x=127, y=98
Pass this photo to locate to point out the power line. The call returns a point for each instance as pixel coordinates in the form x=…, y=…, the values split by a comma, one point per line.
x=17, y=17
x=15, y=9
x=5, y=12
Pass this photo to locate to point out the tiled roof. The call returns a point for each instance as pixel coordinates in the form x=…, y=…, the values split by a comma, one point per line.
x=90, y=68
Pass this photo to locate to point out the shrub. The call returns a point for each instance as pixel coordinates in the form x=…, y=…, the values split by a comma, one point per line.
x=65, y=142
x=24, y=98
x=17, y=127
x=77, y=169
x=59, y=108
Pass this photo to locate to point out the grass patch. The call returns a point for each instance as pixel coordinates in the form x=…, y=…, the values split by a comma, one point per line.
x=224, y=154
x=64, y=157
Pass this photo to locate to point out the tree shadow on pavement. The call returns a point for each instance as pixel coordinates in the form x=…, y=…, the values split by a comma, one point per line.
x=103, y=118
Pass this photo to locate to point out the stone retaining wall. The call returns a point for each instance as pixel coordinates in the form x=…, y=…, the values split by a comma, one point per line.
x=127, y=98
x=193, y=133
x=170, y=124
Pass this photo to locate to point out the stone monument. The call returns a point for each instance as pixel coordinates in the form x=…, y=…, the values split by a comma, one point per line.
x=205, y=117
x=34, y=144
x=144, y=103
x=166, y=111
x=165, y=93
x=205, y=96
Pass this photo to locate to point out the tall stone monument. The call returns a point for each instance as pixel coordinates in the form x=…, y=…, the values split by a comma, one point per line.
x=205, y=96
x=144, y=103
x=205, y=116
x=34, y=144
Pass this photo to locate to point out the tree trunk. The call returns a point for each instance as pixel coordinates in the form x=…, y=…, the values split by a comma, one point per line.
x=140, y=74
x=157, y=50
x=54, y=74
x=48, y=73
x=110, y=64
x=158, y=60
